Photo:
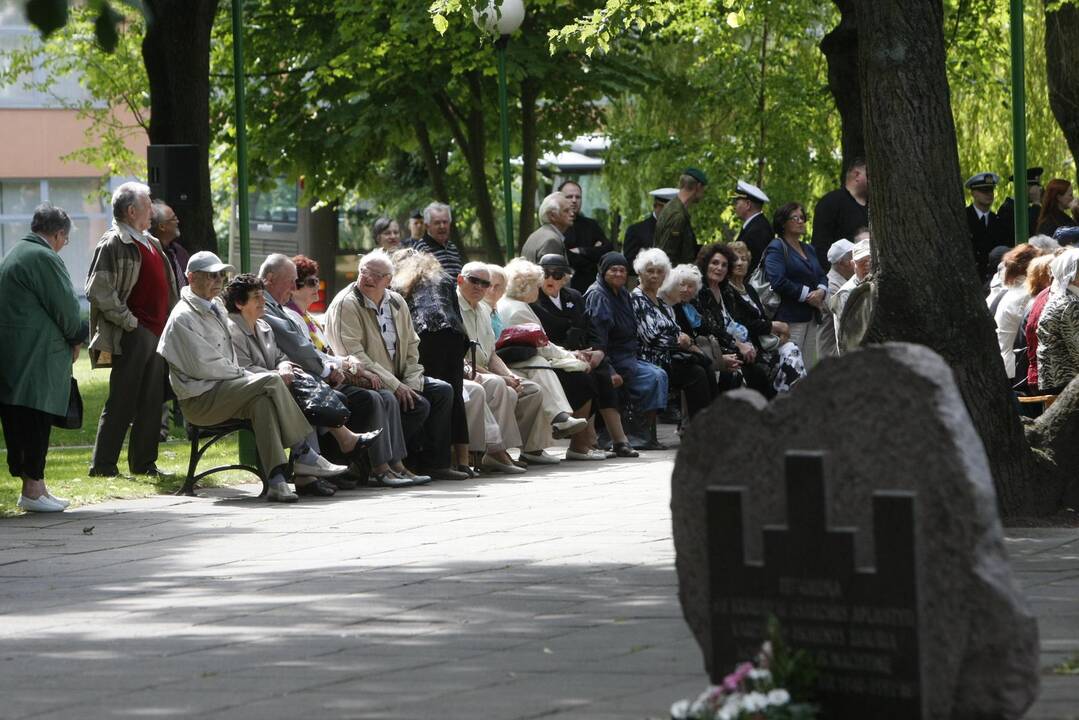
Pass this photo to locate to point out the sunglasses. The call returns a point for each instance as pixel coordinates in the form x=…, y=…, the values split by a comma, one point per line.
x=556, y=274
x=311, y=282
x=478, y=281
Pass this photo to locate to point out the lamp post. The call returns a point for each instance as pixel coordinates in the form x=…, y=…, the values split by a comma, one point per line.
x=1019, y=124
x=503, y=19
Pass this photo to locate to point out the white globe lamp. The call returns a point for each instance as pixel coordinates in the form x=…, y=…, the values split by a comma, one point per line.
x=501, y=23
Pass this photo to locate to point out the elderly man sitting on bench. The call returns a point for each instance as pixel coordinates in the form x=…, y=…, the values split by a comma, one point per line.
x=213, y=389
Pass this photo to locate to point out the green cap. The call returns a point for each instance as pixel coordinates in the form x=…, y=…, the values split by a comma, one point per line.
x=696, y=174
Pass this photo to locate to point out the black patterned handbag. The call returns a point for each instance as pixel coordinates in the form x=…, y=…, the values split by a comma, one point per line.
x=72, y=420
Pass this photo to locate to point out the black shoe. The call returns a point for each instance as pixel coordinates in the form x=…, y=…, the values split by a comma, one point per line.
x=343, y=482
x=366, y=439
x=624, y=449
x=151, y=471
x=110, y=471
x=318, y=488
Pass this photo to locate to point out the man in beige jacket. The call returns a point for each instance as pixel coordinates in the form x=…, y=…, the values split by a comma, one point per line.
x=372, y=323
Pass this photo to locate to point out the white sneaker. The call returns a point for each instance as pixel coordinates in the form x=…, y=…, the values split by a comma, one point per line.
x=41, y=504
x=63, y=502
x=590, y=455
x=539, y=457
x=281, y=493
x=314, y=465
x=569, y=426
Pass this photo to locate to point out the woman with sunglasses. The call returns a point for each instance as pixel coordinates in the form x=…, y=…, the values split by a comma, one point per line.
x=795, y=273
x=560, y=310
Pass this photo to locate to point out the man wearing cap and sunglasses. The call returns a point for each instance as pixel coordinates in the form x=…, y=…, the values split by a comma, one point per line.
x=674, y=232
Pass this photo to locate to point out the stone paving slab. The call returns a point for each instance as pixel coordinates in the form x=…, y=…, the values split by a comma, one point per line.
x=551, y=594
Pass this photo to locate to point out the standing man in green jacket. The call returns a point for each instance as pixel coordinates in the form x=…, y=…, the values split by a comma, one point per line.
x=42, y=330
x=674, y=233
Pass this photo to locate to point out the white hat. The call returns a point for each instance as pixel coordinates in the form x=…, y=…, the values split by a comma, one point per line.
x=838, y=249
x=861, y=250
x=750, y=192
x=206, y=261
x=666, y=194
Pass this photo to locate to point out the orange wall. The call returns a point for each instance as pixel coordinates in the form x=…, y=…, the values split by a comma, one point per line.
x=37, y=139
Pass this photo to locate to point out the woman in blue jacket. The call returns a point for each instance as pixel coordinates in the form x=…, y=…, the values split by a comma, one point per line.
x=794, y=272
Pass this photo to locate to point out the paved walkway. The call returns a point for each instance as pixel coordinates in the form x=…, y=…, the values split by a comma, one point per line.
x=542, y=595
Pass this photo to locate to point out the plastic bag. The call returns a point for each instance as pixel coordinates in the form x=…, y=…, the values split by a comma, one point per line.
x=320, y=403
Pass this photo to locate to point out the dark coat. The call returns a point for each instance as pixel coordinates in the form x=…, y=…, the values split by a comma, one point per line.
x=1053, y=221
x=674, y=233
x=788, y=273
x=983, y=239
x=838, y=215
x=585, y=244
x=712, y=321
x=614, y=325
x=749, y=313
x=639, y=236
x=567, y=326
x=756, y=234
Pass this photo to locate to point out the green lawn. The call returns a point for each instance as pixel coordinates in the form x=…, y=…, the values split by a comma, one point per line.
x=69, y=457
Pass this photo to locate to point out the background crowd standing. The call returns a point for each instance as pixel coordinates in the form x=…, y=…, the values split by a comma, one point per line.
x=432, y=367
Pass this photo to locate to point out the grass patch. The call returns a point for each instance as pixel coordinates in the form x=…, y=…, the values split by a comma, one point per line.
x=1068, y=667
x=69, y=457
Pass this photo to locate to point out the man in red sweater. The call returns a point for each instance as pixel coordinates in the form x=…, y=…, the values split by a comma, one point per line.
x=131, y=288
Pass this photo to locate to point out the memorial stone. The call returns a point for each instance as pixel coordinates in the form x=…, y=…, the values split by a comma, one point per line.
x=881, y=553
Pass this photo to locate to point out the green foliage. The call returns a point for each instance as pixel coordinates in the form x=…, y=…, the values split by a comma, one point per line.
x=792, y=670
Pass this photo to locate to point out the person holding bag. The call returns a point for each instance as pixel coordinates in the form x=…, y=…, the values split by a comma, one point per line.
x=43, y=331
x=257, y=352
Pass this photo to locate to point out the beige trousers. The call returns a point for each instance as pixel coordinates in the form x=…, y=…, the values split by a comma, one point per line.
x=265, y=400
x=519, y=416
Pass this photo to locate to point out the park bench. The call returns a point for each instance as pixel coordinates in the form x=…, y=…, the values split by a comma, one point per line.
x=202, y=439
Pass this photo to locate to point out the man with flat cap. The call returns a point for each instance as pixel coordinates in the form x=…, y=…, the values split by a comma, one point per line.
x=642, y=235
x=674, y=233
x=840, y=213
x=986, y=229
x=756, y=231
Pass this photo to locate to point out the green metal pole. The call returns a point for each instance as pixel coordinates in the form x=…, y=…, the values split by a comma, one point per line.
x=1019, y=124
x=507, y=178
x=241, y=135
x=246, y=441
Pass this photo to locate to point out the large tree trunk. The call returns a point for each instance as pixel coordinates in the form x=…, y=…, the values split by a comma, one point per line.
x=1062, y=62
x=840, y=48
x=928, y=291
x=529, y=159
x=176, y=51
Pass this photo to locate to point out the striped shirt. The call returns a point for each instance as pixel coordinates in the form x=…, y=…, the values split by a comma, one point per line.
x=448, y=255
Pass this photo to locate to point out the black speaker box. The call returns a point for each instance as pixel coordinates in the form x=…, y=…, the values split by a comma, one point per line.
x=173, y=172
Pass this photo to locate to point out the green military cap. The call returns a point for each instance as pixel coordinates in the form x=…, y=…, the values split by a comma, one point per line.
x=696, y=174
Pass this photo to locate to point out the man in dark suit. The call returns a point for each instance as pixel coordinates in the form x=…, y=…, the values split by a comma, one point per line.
x=840, y=213
x=642, y=235
x=1006, y=211
x=986, y=229
x=756, y=231
x=585, y=240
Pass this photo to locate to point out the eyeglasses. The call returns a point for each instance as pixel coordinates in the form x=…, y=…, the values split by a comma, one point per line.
x=556, y=274
x=797, y=218
x=311, y=282
x=478, y=281
x=219, y=275
x=374, y=274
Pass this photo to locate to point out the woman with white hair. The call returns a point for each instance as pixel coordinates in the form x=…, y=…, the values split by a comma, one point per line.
x=660, y=339
x=562, y=374
x=1058, y=327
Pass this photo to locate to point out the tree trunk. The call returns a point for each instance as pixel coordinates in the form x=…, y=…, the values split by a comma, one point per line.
x=928, y=292
x=436, y=172
x=529, y=160
x=840, y=48
x=176, y=51
x=1062, y=62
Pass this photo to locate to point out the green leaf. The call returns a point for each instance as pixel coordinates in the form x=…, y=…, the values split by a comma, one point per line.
x=441, y=24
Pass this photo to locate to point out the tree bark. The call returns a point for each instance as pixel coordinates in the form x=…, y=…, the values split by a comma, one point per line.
x=436, y=172
x=176, y=51
x=928, y=292
x=840, y=48
x=1062, y=62
x=529, y=159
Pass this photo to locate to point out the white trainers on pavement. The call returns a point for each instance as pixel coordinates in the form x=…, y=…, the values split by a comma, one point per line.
x=41, y=504
x=314, y=465
x=281, y=493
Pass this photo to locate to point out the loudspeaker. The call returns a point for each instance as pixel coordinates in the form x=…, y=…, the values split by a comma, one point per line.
x=173, y=172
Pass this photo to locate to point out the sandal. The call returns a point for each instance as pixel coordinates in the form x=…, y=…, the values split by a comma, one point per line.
x=624, y=449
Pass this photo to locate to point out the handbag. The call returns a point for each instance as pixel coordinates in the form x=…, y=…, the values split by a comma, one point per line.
x=72, y=420
x=768, y=342
x=528, y=334
x=319, y=402
x=759, y=281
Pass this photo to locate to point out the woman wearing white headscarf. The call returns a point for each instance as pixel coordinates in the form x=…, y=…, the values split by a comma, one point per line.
x=1058, y=327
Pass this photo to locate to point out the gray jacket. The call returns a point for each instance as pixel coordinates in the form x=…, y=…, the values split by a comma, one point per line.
x=114, y=270
x=293, y=342
x=255, y=351
x=197, y=346
x=545, y=240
